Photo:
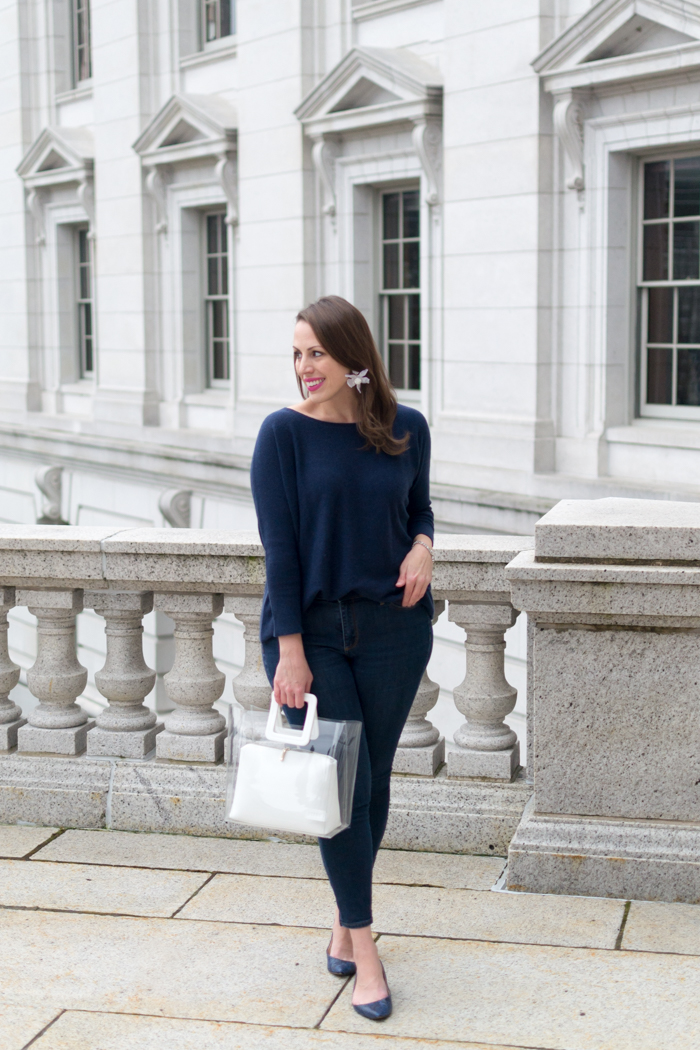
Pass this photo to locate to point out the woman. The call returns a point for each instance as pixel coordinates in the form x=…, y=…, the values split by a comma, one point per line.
x=340, y=483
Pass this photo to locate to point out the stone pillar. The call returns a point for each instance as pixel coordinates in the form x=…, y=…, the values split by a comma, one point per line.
x=194, y=731
x=10, y=714
x=251, y=687
x=126, y=729
x=486, y=746
x=421, y=748
x=58, y=725
x=612, y=591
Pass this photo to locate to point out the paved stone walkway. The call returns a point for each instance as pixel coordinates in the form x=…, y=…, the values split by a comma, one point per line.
x=113, y=941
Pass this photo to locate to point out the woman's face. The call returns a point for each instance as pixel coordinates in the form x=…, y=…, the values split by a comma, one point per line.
x=321, y=374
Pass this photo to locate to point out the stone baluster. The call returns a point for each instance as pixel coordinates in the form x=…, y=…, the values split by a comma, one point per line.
x=251, y=687
x=487, y=747
x=421, y=748
x=10, y=713
x=57, y=725
x=126, y=729
x=194, y=731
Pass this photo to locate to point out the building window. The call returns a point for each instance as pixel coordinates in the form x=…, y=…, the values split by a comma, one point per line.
x=218, y=18
x=670, y=281
x=86, y=343
x=216, y=303
x=82, y=59
x=400, y=272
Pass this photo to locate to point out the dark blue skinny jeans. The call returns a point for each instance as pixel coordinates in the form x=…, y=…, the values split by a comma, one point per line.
x=367, y=659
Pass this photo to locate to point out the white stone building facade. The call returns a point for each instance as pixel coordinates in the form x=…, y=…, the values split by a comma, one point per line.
x=509, y=190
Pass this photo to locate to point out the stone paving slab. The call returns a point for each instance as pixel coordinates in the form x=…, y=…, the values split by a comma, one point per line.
x=533, y=996
x=18, y=841
x=89, y=1031
x=19, y=1024
x=86, y=888
x=418, y=911
x=210, y=971
x=246, y=857
x=653, y=927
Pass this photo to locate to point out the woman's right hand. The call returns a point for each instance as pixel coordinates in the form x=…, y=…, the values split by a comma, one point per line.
x=293, y=676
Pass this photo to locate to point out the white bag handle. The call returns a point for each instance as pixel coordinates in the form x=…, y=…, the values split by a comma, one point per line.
x=297, y=737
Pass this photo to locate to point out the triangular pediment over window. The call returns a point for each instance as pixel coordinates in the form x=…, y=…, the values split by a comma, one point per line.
x=372, y=86
x=58, y=155
x=188, y=127
x=623, y=40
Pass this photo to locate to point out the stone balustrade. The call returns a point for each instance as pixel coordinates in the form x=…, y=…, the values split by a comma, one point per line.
x=611, y=589
x=192, y=575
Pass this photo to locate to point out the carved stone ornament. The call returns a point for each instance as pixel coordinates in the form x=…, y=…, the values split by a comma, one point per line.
x=86, y=196
x=225, y=172
x=35, y=203
x=174, y=505
x=568, y=124
x=157, y=191
x=324, y=156
x=427, y=141
x=49, y=482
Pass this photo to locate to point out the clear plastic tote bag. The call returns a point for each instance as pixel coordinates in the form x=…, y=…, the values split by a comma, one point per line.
x=294, y=780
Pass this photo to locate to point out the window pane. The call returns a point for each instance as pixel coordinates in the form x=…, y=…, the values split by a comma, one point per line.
x=213, y=275
x=87, y=320
x=225, y=17
x=656, y=189
x=688, y=377
x=212, y=234
x=89, y=365
x=391, y=216
x=396, y=364
x=396, y=316
x=686, y=250
x=411, y=265
x=220, y=360
x=656, y=253
x=391, y=266
x=414, y=367
x=414, y=317
x=659, y=376
x=83, y=246
x=686, y=186
x=660, y=324
x=224, y=274
x=411, y=214
x=689, y=315
x=219, y=311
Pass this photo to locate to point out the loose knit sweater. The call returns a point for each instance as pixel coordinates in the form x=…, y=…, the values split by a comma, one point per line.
x=336, y=519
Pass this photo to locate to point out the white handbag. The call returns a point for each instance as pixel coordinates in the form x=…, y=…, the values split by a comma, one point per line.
x=287, y=789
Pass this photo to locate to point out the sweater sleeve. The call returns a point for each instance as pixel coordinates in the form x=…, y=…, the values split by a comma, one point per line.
x=278, y=532
x=420, y=513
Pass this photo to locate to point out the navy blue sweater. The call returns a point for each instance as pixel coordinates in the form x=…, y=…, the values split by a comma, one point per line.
x=334, y=518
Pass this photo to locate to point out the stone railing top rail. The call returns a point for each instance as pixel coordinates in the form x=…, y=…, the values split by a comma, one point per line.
x=619, y=530
x=56, y=556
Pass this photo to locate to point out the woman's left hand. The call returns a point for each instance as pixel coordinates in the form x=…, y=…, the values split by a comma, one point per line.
x=416, y=573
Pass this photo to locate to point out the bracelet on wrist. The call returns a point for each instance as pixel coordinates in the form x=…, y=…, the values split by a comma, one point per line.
x=419, y=543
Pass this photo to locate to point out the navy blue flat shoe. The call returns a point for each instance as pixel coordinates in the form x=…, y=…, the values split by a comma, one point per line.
x=379, y=1010
x=339, y=967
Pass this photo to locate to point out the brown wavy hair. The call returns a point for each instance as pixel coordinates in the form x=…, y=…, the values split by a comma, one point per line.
x=343, y=332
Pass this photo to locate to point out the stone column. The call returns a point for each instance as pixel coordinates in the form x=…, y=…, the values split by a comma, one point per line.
x=421, y=748
x=56, y=679
x=126, y=729
x=251, y=687
x=10, y=714
x=194, y=731
x=487, y=747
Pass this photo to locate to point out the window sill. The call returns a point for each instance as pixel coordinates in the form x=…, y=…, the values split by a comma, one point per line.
x=214, y=396
x=663, y=433
x=376, y=8
x=210, y=53
x=84, y=90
